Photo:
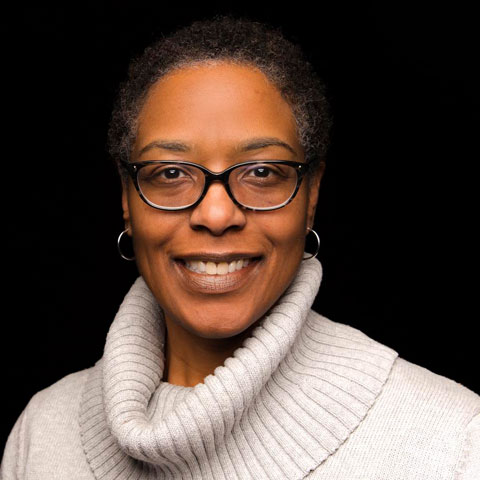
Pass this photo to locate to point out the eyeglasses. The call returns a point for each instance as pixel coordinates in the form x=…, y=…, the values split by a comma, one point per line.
x=265, y=185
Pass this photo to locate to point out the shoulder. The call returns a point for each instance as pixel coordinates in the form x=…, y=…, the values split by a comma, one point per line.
x=46, y=436
x=438, y=404
x=64, y=393
x=433, y=417
x=55, y=408
x=406, y=380
x=424, y=420
x=54, y=411
x=422, y=386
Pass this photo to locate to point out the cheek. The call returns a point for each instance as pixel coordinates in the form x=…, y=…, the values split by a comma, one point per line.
x=286, y=227
x=151, y=230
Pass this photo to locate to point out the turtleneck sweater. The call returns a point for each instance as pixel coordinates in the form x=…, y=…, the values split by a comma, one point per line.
x=303, y=397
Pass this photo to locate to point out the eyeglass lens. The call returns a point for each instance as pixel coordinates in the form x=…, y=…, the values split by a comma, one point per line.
x=255, y=186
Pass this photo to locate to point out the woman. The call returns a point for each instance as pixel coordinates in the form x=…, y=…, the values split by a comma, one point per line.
x=215, y=366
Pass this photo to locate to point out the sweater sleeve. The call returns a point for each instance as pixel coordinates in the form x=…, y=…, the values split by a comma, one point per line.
x=11, y=467
x=469, y=465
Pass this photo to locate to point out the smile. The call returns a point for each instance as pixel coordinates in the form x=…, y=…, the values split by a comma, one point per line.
x=217, y=273
x=214, y=268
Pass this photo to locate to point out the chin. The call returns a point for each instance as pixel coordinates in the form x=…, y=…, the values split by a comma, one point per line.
x=224, y=326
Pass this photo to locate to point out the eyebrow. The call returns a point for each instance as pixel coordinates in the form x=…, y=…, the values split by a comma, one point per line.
x=246, y=146
x=263, y=142
x=172, y=146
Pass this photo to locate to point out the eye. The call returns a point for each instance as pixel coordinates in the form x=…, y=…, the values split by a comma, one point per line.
x=171, y=173
x=265, y=176
x=166, y=175
x=260, y=172
x=266, y=172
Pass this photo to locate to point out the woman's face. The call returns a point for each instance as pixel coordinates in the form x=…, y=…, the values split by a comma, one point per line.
x=217, y=115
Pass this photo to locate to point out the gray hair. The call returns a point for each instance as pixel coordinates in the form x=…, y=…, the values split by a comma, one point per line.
x=241, y=41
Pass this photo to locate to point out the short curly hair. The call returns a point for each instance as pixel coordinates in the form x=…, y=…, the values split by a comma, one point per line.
x=238, y=40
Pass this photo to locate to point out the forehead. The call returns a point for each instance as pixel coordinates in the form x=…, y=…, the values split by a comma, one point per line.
x=215, y=105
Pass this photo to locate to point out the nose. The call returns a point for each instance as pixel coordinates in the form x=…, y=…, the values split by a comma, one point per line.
x=216, y=212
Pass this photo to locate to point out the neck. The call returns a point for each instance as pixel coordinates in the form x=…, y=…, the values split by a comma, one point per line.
x=190, y=358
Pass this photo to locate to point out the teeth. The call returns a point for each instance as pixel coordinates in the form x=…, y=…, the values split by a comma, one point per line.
x=222, y=268
x=212, y=268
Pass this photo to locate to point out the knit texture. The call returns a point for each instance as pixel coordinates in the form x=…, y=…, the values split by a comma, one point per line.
x=303, y=397
x=285, y=400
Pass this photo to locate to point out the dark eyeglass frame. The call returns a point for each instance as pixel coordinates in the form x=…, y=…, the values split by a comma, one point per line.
x=134, y=167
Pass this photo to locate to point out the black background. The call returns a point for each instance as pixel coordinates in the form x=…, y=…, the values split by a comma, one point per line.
x=396, y=213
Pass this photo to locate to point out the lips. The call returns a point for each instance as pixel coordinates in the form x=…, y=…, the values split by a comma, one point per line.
x=217, y=268
x=217, y=273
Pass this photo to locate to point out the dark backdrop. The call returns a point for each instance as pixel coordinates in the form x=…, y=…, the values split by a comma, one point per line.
x=396, y=212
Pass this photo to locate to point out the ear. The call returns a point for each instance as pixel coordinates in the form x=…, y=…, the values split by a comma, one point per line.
x=126, y=207
x=314, y=186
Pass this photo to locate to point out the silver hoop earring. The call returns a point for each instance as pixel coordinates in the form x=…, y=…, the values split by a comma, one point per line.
x=318, y=244
x=130, y=259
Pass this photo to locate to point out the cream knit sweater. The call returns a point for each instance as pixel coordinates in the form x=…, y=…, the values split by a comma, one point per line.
x=304, y=397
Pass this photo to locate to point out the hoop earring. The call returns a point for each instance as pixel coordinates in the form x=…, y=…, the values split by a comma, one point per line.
x=318, y=244
x=130, y=259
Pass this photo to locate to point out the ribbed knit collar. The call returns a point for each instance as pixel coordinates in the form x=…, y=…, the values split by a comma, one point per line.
x=285, y=401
